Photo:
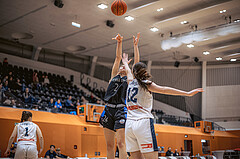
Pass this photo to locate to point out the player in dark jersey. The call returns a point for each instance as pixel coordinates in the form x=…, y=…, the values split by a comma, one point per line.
x=114, y=115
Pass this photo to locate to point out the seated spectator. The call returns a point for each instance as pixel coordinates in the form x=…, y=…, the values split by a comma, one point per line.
x=46, y=80
x=10, y=75
x=5, y=62
x=5, y=79
x=58, y=151
x=51, y=103
x=176, y=153
x=51, y=153
x=5, y=86
x=2, y=95
x=35, y=108
x=69, y=103
x=78, y=102
x=169, y=152
x=35, y=78
x=27, y=96
x=58, y=105
x=18, y=85
x=41, y=79
x=11, y=83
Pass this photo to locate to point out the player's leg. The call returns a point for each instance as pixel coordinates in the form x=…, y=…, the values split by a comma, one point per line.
x=136, y=155
x=120, y=134
x=20, y=152
x=110, y=140
x=32, y=152
x=145, y=134
x=120, y=121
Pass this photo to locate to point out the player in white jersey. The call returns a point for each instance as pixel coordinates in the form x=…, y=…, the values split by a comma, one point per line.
x=139, y=130
x=26, y=133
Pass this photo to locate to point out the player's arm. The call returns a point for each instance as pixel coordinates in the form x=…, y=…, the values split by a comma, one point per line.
x=128, y=70
x=136, y=50
x=11, y=139
x=172, y=91
x=118, y=57
x=40, y=137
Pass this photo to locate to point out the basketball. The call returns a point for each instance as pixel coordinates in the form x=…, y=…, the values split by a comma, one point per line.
x=119, y=7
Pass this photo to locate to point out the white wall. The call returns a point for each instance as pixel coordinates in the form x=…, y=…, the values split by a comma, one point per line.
x=223, y=102
x=231, y=125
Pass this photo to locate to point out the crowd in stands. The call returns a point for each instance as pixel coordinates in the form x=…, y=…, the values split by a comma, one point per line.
x=37, y=90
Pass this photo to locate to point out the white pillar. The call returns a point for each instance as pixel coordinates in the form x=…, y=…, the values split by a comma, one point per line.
x=36, y=52
x=204, y=86
x=149, y=65
x=94, y=61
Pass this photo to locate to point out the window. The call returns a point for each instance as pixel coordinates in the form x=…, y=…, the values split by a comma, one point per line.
x=205, y=146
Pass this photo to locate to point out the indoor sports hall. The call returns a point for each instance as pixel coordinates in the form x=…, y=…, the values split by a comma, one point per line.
x=120, y=79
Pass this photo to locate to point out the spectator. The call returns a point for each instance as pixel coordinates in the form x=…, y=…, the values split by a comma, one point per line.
x=5, y=79
x=5, y=62
x=10, y=74
x=18, y=85
x=51, y=153
x=5, y=87
x=35, y=78
x=12, y=150
x=41, y=79
x=51, y=103
x=176, y=153
x=11, y=83
x=27, y=96
x=2, y=96
x=169, y=152
x=46, y=80
x=58, y=105
x=58, y=151
x=35, y=108
x=69, y=103
x=78, y=102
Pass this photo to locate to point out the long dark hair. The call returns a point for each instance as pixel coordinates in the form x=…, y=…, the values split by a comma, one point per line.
x=25, y=116
x=141, y=74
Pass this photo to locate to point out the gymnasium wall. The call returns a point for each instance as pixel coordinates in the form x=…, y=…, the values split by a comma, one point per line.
x=223, y=89
x=184, y=78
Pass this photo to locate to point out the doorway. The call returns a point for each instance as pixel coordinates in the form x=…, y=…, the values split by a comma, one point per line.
x=188, y=146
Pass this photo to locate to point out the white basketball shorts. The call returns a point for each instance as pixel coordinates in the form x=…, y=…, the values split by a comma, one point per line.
x=140, y=135
x=25, y=151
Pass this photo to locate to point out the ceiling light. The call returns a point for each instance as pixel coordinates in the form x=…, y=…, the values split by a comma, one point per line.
x=237, y=20
x=222, y=11
x=190, y=45
x=219, y=58
x=154, y=29
x=102, y=6
x=233, y=60
x=160, y=9
x=184, y=22
x=129, y=18
x=76, y=24
x=206, y=52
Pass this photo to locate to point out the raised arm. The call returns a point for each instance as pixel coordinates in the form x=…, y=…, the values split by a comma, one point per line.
x=172, y=91
x=40, y=137
x=118, y=57
x=128, y=70
x=136, y=51
x=11, y=139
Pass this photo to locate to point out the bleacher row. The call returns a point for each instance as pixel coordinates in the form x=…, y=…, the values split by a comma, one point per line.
x=58, y=87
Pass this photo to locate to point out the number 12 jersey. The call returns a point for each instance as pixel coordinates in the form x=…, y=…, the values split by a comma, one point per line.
x=139, y=102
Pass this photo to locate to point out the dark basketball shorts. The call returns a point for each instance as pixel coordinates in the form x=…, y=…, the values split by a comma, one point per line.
x=113, y=118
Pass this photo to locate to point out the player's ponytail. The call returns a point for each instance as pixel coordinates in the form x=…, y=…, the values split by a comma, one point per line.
x=141, y=74
x=25, y=116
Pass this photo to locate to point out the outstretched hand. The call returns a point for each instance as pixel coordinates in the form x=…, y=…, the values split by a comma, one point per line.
x=136, y=39
x=195, y=91
x=118, y=38
x=125, y=58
